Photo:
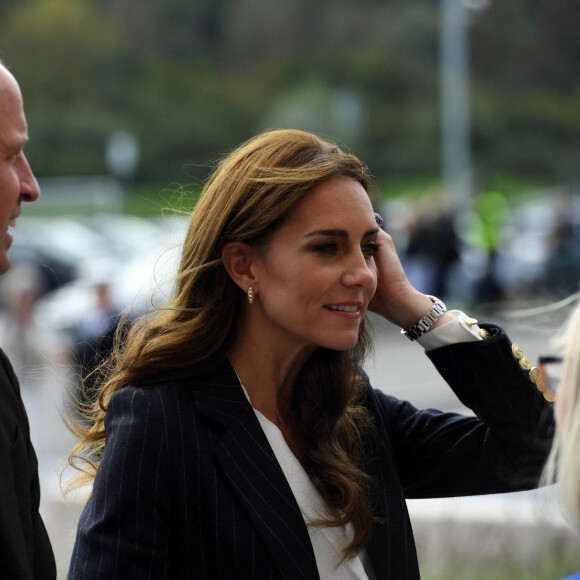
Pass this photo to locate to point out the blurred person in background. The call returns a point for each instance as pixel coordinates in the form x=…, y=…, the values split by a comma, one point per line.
x=433, y=249
x=563, y=373
x=484, y=227
x=95, y=337
x=25, y=550
x=20, y=334
x=236, y=434
x=562, y=275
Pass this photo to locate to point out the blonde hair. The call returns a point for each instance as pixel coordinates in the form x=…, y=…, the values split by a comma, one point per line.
x=563, y=465
x=247, y=198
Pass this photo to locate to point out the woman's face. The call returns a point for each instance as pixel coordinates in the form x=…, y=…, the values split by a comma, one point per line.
x=317, y=275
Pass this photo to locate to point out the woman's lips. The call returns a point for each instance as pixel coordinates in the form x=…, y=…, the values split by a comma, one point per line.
x=351, y=311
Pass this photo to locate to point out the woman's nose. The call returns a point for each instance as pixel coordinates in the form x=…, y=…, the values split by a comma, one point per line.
x=359, y=272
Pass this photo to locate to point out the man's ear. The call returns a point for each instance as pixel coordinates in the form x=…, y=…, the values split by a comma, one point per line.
x=238, y=258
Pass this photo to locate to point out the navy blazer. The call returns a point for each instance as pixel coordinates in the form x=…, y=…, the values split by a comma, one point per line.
x=188, y=486
x=25, y=550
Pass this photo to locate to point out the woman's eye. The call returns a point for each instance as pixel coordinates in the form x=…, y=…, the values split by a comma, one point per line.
x=370, y=249
x=329, y=249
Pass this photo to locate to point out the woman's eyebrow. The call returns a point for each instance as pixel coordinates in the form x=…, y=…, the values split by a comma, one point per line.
x=339, y=233
x=332, y=233
x=371, y=232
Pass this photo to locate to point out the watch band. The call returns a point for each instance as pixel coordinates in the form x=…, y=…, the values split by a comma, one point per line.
x=420, y=328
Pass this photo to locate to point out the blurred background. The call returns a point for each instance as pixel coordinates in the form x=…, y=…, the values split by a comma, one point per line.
x=467, y=113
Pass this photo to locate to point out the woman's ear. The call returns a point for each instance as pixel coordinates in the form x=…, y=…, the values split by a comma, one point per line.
x=237, y=258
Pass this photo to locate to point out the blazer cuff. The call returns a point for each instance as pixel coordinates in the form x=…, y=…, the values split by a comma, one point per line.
x=456, y=330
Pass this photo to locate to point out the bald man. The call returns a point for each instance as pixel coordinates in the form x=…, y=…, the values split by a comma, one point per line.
x=25, y=550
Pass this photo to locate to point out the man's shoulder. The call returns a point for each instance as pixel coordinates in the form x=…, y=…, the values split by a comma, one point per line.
x=4, y=361
x=7, y=376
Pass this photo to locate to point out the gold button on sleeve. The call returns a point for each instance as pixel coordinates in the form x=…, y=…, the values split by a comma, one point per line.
x=534, y=372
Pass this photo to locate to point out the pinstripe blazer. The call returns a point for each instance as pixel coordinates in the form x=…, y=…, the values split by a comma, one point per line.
x=25, y=550
x=188, y=486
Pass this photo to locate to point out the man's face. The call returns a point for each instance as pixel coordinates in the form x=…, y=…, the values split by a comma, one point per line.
x=17, y=182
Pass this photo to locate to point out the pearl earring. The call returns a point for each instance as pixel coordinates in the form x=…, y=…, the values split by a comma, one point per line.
x=250, y=295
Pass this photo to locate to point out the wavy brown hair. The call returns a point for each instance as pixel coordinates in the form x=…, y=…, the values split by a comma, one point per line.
x=247, y=198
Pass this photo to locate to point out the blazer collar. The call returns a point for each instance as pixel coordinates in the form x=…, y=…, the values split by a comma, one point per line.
x=254, y=473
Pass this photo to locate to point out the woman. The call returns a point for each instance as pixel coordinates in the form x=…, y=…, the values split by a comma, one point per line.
x=237, y=436
x=563, y=463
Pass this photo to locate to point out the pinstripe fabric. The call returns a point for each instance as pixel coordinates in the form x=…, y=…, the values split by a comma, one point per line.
x=189, y=487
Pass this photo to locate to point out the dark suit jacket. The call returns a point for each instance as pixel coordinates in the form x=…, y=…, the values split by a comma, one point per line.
x=25, y=551
x=189, y=487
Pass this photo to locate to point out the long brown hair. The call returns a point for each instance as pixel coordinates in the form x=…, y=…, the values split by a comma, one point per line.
x=247, y=198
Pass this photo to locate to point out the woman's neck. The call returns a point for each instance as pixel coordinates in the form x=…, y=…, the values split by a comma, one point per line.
x=270, y=392
x=269, y=377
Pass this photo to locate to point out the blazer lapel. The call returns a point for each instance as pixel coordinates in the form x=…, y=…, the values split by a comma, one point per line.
x=254, y=473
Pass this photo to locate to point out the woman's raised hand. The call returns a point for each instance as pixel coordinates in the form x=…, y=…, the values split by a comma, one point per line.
x=395, y=298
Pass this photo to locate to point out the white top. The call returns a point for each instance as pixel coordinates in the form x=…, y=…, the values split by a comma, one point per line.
x=328, y=542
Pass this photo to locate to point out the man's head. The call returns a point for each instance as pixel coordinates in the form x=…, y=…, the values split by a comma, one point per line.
x=17, y=182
